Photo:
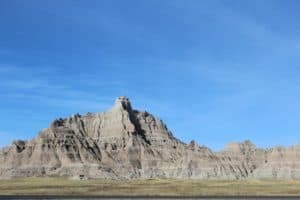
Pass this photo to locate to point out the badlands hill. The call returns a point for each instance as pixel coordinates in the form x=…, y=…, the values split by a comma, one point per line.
x=123, y=143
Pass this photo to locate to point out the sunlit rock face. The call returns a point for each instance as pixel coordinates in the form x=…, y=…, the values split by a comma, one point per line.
x=123, y=143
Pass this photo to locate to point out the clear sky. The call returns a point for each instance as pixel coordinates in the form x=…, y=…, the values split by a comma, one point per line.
x=214, y=71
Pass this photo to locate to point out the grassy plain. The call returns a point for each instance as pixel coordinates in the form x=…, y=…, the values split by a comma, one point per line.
x=152, y=187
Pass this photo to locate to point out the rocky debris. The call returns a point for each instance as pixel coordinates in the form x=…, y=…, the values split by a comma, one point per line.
x=123, y=143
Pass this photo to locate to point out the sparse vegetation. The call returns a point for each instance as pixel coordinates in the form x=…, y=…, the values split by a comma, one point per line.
x=151, y=187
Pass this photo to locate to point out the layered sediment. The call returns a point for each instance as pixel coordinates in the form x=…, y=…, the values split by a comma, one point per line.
x=123, y=143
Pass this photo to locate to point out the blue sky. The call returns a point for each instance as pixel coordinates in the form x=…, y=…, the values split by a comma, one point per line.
x=214, y=71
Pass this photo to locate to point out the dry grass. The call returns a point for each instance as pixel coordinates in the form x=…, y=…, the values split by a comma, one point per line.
x=153, y=187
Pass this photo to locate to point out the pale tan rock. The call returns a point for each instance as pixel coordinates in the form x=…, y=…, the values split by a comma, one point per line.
x=123, y=143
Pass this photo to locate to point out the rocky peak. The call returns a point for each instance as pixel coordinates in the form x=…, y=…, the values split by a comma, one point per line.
x=237, y=146
x=126, y=143
x=123, y=102
x=193, y=145
x=20, y=145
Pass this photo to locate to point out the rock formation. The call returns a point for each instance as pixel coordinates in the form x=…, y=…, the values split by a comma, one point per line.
x=123, y=143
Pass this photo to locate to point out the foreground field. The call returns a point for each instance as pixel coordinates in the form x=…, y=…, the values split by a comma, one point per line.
x=153, y=187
